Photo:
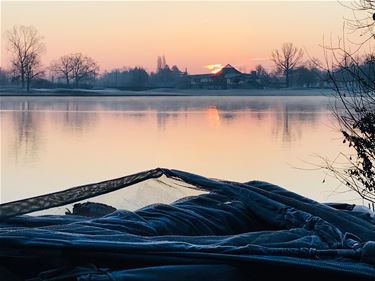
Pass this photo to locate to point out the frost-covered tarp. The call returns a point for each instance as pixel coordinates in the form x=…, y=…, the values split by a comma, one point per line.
x=231, y=231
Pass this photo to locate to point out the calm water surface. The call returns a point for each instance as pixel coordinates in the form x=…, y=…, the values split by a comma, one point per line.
x=49, y=144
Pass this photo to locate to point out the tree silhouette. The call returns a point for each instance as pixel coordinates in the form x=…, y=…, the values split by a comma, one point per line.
x=353, y=81
x=63, y=67
x=287, y=59
x=77, y=67
x=26, y=47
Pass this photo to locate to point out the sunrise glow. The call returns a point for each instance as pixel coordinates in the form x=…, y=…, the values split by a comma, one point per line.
x=214, y=68
x=213, y=115
x=136, y=33
x=188, y=137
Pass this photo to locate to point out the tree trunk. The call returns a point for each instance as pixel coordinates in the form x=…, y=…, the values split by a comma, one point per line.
x=28, y=84
x=67, y=80
x=287, y=78
x=23, y=79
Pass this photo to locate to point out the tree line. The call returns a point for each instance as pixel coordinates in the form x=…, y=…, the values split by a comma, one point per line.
x=77, y=70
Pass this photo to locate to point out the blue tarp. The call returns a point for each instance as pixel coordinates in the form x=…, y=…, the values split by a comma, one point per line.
x=235, y=231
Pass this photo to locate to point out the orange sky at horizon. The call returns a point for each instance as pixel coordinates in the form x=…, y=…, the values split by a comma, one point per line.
x=191, y=35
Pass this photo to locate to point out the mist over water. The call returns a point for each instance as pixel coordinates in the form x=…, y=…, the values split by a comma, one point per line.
x=49, y=144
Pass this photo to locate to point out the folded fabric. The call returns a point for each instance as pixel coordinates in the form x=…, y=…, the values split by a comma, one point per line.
x=233, y=231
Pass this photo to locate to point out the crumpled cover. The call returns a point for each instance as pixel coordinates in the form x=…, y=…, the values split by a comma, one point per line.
x=236, y=231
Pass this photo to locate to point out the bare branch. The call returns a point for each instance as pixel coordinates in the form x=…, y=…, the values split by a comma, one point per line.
x=286, y=60
x=25, y=45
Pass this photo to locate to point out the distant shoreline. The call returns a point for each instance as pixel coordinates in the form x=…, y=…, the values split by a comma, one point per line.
x=162, y=92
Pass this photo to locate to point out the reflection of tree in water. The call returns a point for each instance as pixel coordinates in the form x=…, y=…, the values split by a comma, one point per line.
x=290, y=121
x=228, y=117
x=260, y=116
x=135, y=115
x=162, y=118
x=27, y=125
x=287, y=135
x=28, y=121
x=76, y=118
x=82, y=115
x=232, y=117
x=78, y=115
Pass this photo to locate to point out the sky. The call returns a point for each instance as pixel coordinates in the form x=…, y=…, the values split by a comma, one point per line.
x=191, y=35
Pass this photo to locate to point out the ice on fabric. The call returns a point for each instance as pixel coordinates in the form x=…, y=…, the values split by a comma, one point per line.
x=221, y=231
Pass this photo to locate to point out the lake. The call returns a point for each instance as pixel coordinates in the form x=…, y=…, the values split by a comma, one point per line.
x=52, y=143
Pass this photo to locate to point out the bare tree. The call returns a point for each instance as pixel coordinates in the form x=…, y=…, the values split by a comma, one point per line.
x=33, y=69
x=287, y=59
x=75, y=67
x=26, y=47
x=351, y=72
x=63, y=67
x=261, y=71
x=363, y=19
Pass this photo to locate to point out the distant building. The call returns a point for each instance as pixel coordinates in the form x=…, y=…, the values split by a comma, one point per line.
x=227, y=78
